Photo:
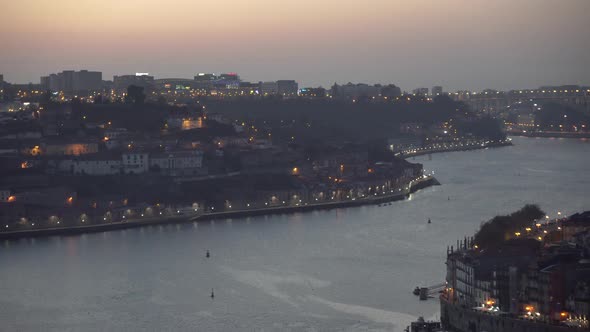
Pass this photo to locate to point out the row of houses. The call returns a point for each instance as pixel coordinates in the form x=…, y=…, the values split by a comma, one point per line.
x=171, y=163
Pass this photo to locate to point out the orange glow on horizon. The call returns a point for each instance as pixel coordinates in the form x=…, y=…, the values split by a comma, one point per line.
x=331, y=39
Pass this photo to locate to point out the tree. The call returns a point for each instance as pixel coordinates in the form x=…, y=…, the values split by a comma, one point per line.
x=501, y=228
x=486, y=126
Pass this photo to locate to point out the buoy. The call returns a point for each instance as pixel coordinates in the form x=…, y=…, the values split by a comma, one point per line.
x=429, y=221
x=207, y=254
x=212, y=293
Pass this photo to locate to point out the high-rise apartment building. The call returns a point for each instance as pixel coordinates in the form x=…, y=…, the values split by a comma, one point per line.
x=71, y=82
x=437, y=90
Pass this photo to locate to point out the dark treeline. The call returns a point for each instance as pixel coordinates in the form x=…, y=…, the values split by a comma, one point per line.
x=502, y=228
x=552, y=115
x=310, y=121
x=145, y=118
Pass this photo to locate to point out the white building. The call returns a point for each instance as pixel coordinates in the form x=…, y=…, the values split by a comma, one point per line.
x=176, y=163
x=135, y=162
x=96, y=166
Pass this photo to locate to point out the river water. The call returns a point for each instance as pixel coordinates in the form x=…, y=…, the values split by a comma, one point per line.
x=344, y=269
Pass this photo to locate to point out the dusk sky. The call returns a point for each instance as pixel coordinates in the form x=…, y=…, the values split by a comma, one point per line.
x=460, y=44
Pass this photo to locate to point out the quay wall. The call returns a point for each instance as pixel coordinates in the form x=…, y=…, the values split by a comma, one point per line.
x=551, y=134
x=459, y=319
x=72, y=230
x=453, y=149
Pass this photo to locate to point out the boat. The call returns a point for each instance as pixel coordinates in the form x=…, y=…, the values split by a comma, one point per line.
x=430, y=222
x=207, y=254
x=416, y=291
x=423, y=293
x=421, y=325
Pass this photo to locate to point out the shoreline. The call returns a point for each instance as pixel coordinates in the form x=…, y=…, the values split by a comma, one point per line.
x=549, y=134
x=454, y=148
x=425, y=182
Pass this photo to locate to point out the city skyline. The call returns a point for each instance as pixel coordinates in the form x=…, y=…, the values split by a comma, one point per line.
x=499, y=45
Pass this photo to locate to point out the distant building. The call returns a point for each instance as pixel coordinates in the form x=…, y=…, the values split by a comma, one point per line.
x=391, y=91
x=218, y=117
x=205, y=81
x=184, y=120
x=58, y=147
x=203, y=77
x=420, y=91
x=45, y=82
x=268, y=88
x=437, y=90
x=491, y=100
x=173, y=84
x=287, y=88
x=70, y=82
x=312, y=92
x=96, y=165
x=404, y=143
x=355, y=91
x=87, y=81
x=230, y=77
x=121, y=83
x=177, y=163
x=341, y=162
x=248, y=88
x=135, y=162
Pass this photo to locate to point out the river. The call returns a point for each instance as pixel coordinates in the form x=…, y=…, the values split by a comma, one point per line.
x=344, y=269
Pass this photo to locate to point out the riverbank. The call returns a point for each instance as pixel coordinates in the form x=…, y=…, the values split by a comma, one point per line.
x=466, y=146
x=549, y=134
x=421, y=183
x=462, y=319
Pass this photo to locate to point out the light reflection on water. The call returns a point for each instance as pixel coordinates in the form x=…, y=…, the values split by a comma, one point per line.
x=349, y=268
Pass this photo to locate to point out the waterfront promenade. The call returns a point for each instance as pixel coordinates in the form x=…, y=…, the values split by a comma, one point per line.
x=449, y=147
x=181, y=217
x=463, y=319
x=188, y=214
